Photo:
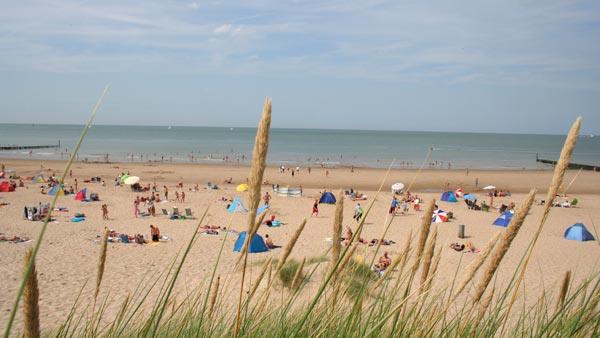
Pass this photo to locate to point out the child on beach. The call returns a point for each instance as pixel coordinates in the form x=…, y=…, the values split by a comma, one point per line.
x=267, y=198
x=136, y=208
x=104, y=212
x=315, y=208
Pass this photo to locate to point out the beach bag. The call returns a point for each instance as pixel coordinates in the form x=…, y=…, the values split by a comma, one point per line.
x=124, y=238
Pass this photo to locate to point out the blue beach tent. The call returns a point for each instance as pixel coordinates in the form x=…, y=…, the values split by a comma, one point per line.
x=448, y=196
x=236, y=206
x=470, y=197
x=57, y=189
x=256, y=245
x=327, y=198
x=504, y=219
x=578, y=232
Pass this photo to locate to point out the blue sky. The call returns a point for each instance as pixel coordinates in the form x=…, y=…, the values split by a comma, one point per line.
x=497, y=66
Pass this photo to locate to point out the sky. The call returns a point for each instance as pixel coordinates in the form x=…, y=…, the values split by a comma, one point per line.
x=481, y=66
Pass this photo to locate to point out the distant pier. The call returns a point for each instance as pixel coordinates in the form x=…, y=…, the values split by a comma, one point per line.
x=20, y=147
x=571, y=165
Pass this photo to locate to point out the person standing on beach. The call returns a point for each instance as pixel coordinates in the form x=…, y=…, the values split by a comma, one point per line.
x=76, y=185
x=154, y=233
x=104, y=212
x=182, y=196
x=315, y=209
x=136, y=208
x=393, y=205
x=267, y=198
x=176, y=196
x=358, y=212
x=166, y=192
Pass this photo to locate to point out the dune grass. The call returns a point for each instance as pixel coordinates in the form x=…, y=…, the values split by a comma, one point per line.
x=343, y=298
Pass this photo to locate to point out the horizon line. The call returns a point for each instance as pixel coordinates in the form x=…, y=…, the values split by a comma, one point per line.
x=296, y=128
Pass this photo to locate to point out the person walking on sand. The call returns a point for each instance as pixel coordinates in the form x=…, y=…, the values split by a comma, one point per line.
x=315, y=209
x=358, y=212
x=104, y=212
x=166, y=192
x=267, y=198
x=176, y=196
x=136, y=208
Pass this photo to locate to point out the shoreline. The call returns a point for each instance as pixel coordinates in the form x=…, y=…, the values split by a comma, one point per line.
x=365, y=179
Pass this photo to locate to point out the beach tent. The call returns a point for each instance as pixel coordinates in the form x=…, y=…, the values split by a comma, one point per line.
x=448, y=196
x=242, y=187
x=327, y=198
x=504, y=219
x=257, y=244
x=262, y=209
x=39, y=178
x=439, y=216
x=57, y=189
x=81, y=195
x=236, y=206
x=578, y=232
x=470, y=197
x=6, y=187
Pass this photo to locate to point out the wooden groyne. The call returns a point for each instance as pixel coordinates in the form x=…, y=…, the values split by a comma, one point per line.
x=571, y=165
x=19, y=147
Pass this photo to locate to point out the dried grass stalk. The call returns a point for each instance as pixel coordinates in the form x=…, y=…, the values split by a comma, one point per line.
x=425, y=226
x=485, y=304
x=337, y=230
x=290, y=245
x=213, y=296
x=31, y=295
x=427, y=259
x=434, y=268
x=563, y=290
x=476, y=264
x=504, y=245
x=101, y=262
x=263, y=271
x=298, y=276
x=257, y=167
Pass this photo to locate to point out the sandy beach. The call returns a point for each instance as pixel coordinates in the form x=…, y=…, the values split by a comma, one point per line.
x=69, y=253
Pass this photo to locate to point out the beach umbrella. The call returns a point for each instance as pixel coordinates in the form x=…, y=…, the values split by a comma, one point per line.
x=242, y=187
x=489, y=187
x=470, y=197
x=439, y=216
x=131, y=180
x=397, y=187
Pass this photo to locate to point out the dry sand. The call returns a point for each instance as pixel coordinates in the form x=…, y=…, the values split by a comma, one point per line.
x=68, y=255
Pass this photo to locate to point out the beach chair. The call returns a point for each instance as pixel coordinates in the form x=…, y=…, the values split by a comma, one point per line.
x=175, y=211
x=165, y=212
x=188, y=213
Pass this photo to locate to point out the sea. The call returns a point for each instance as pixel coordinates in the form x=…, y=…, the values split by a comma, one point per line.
x=295, y=147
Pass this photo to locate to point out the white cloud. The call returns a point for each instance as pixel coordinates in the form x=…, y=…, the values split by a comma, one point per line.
x=223, y=29
x=193, y=5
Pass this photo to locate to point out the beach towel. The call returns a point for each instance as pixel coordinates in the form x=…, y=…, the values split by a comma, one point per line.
x=77, y=219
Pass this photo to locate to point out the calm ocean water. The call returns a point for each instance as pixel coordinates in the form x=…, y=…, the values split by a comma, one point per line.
x=296, y=146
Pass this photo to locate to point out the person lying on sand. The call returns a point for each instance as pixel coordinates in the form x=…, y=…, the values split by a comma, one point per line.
x=374, y=242
x=469, y=247
x=269, y=243
x=457, y=247
x=384, y=262
x=13, y=239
